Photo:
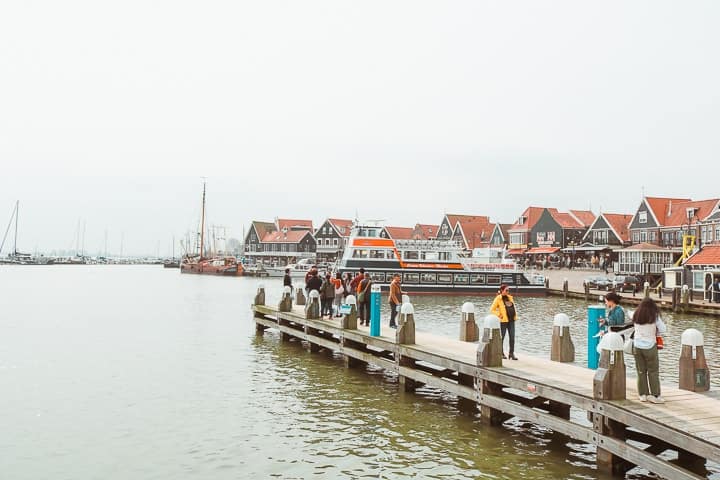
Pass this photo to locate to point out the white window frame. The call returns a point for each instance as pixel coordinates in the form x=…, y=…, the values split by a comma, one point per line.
x=642, y=217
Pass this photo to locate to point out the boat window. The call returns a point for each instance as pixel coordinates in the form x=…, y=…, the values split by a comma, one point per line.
x=444, y=256
x=389, y=275
x=410, y=255
x=477, y=279
x=493, y=279
x=377, y=254
x=429, y=255
x=411, y=278
x=461, y=278
x=508, y=279
x=444, y=277
x=390, y=254
x=360, y=253
x=377, y=276
x=428, y=278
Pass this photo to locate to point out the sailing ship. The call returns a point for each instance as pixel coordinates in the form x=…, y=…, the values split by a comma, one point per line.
x=172, y=262
x=198, y=263
x=432, y=266
x=16, y=257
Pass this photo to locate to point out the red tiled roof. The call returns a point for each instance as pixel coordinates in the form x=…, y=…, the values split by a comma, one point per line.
x=263, y=228
x=399, y=233
x=287, y=223
x=678, y=211
x=620, y=223
x=424, y=231
x=708, y=255
x=566, y=220
x=292, y=236
x=585, y=217
x=659, y=207
x=463, y=219
x=531, y=214
x=342, y=226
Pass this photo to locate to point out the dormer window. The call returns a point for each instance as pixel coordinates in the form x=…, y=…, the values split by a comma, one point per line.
x=690, y=213
x=521, y=221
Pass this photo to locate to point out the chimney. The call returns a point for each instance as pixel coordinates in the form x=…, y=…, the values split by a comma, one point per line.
x=669, y=212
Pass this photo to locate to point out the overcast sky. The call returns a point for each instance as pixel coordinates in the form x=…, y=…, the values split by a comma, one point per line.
x=111, y=112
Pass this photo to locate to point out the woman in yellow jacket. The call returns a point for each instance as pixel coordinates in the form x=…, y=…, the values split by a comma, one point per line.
x=504, y=308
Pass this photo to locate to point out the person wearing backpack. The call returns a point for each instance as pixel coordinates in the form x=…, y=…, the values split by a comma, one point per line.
x=648, y=326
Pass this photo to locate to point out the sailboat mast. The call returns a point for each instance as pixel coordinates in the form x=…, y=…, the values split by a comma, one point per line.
x=202, y=224
x=17, y=214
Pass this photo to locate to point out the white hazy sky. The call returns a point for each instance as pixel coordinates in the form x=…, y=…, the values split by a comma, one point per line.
x=110, y=112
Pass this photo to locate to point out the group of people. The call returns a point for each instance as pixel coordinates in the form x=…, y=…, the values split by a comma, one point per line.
x=334, y=290
x=647, y=323
x=648, y=326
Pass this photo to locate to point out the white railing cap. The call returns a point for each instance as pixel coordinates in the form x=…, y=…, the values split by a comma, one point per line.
x=492, y=322
x=561, y=320
x=261, y=285
x=350, y=300
x=468, y=307
x=287, y=289
x=407, y=309
x=314, y=294
x=611, y=341
x=692, y=337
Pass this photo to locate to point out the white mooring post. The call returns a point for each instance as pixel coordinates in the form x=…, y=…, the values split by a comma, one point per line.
x=469, y=331
x=562, y=348
x=694, y=373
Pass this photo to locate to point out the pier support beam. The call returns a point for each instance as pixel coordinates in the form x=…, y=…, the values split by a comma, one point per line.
x=260, y=329
x=609, y=384
x=405, y=335
x=309, y=331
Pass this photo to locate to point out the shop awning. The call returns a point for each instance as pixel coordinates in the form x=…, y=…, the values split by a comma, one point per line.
x=515, y=251
x=542, y=250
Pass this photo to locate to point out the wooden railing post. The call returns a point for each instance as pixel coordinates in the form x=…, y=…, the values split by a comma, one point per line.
x=694, y=374
x=405, y=335
x=312, y=309
x=260, y=295
x=285, y=304
x=299, y=296
x=562, y=348
x=489, y=354
x=565, y=287
x=609, y=384
x=469, y=331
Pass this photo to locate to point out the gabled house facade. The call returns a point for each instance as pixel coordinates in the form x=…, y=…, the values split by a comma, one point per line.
x=609, y=230
x=650, y=217
x=688, y=218
x=499, y=236
x=425, y=232
x=331, y=239
x=469, y=231
x=520, y=232
x=281, y=242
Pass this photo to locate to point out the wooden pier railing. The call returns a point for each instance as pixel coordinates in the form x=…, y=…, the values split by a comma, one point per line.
x=627, y=433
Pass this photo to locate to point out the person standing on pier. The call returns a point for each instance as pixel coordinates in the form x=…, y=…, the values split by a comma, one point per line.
x=504, y=308
x=363, y=300
x=287, y=281
x=313, y=282
x=327, y=295
x=339, y=293
x=395, y=299
x=616, y=314
x=648, y=325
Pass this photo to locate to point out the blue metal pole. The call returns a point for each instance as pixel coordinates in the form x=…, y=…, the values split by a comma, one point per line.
x=595, y=313
x=375, y=301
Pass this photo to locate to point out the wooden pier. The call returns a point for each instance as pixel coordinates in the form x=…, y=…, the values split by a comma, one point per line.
x=626, y=432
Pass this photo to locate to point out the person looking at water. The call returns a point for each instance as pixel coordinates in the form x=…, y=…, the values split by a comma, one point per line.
x=615, y=315
x=504, y=308
x=648, y=325
x=287, y=281
x=363, y=300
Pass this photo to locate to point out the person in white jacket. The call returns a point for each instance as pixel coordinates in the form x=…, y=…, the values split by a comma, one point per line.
x=648, y=325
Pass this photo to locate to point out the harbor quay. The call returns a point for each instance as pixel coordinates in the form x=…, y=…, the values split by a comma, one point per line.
x=677, y=439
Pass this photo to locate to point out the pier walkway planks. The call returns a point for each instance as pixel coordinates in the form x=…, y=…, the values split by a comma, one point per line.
x=534, y=389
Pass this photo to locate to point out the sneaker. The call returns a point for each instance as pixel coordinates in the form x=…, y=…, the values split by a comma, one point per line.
x=643, y=398
x=504, y=357
x=654, y=399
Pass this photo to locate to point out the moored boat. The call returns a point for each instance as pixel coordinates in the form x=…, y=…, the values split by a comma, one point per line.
x=432, y=266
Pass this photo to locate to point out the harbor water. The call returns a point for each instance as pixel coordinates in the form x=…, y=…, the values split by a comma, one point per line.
x=118, y=372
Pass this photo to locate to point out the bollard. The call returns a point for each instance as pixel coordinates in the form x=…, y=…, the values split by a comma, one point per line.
x=595, y=313
x=405, y=298
x=469, y=331
x=659, y=290
x=349, y=321
x=375, y=300
x=260, y=295
x=609, y=381
x=312, y=309
x=675, y=299
x=299, y=297
x=565, y=287
x=285, y=304
x=586, y=289
x=547, y=282
x=646, y=290
x=562, y=348
x=694, y=373
x=405, y=333
x=490, y=349
x=685, y=297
